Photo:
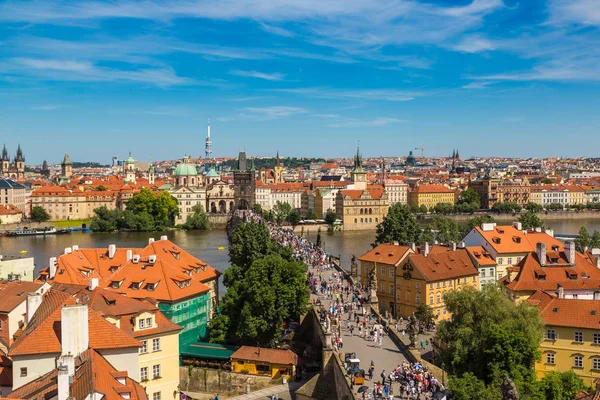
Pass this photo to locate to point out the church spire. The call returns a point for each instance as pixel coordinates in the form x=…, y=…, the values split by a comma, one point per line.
x=277, y=163
x=4, y=153
x=19, y=156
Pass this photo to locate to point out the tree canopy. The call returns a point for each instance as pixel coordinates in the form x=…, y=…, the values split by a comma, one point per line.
x=398, y=225
x=530, y=220
x=468, y=201
x=330, y=217
x=535, y=207
x=444, y=230
x=198, y=220
x=506, y=207
x=293, y=218
x=281, y=211
x=39, y=214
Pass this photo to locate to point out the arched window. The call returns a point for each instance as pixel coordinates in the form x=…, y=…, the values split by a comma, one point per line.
x=370, y=219
x=431, y=298
x=370, y=211
x=361, y=211
x=376, y=219
x=355, y=220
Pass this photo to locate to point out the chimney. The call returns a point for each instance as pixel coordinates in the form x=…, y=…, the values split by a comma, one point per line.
x=163, y=237
x=518, y=226
x=52, y=267
x=151, y=240
x=570, y=252
x=413, y=247
x=538, y=230
x=75, y=247
x=488, y=226
x=540, y=249
x=136, y=258
x=597, y=295
x=425, y=249
x=92, y=284
x=561, y=292
x=112, y=249
x=33, y=303
x=68, y=250
x=461, y=245
x=152, y=259
x=66, y=370
x=129, y=254
x=549, y=232
x=452, y=246
x=74, y=329
x=396, y=243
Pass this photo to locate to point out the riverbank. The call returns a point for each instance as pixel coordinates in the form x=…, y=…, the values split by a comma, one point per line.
x=551, y=216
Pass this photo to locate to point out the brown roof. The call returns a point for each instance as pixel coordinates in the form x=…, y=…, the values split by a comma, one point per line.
x=386, y=254
x=481, y=255
x=443, y=263
x=432, y=189
x=508, y=239
x=572, y=313
x=273, y=356
x=14, y=293
x=93, y=373
x=5, y=370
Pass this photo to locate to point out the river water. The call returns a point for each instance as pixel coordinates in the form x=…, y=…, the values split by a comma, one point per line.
x=204, y=244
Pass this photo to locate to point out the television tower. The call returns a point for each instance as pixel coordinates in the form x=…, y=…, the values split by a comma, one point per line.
x=208, y=149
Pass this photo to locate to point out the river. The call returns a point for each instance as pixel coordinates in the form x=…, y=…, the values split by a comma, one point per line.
x=204, y=244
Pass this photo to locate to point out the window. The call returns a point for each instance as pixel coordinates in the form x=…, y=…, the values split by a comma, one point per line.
x=596, y=363
x=431, y=299
x=439, y=298
x=431, y=286
x=444, y=284
x=263, y=368
x=578, y=337
x=148, y=322
x=596, y=338
x=144, y=348
x=551, y=334
x=483, y=273
x=418, y=298
x=578, y=361
x=392, y=272
x=156, y=344
x=549, y=358
x=500, y=261
x=438, y=285
x=144, y=373
x=509, y=262
x=141, y=324
x=382, y=271
x=417, y=285
x=474, y=279
x=391, y=288
x=156, y=396
x=518, y=260
x=23, y=372
x=156, y=371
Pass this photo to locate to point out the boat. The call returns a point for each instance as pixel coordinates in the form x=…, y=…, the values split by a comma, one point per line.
x=23, y=252
x=36, y=232
x=221, y=248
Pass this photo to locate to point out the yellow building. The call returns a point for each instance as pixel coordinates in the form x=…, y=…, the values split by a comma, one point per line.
x=386, y=259
x=361, y=209
x=65, y=204
x=428, y=274
x=430, y=195
x=571, y=339
x=259, y=361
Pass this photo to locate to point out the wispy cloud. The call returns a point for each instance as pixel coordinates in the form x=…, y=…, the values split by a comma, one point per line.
x=276, y=30
x=275, y=76
x=477, y=85
x=48, y=107
x=474, y=44
x=272, y=112
x=355, y=123
x=364, y=94
x=584, y=12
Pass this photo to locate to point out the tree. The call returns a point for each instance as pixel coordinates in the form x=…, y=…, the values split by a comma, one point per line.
x=444, y=230
x=423, y=209
x=311, y=215
x=330, y=217
x=595, y=242
x=398, y=225
x=546, y=181
x=39, y=214
x=281, y=211
x=257, y=209
x=534, y=207
x=583, y=241
x=198, y=220
x=164, y=210
x=555, y=207
x=293, y=218
x=561, y=385
x=474, y=222
x=468, y=387
x=530, y=220
x=424, y=314
x=506, y=207
x=106, y=220
x=489, y=335
x=468, y=201
x=443, y=208
x=100, y=188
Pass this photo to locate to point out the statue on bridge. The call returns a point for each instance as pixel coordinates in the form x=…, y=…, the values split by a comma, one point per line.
x=373, y=288
x=509, y=389
x=354, y=267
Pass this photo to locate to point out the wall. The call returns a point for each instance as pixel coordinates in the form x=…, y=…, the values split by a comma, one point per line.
x=126, y=359
x=213, y=381
x=36, y=366
x=28, y=224
x=21, y=266
x=217, y=221
x=168, y=358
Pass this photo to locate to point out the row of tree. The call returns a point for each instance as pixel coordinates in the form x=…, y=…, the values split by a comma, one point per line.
x=147, y=211
x=490, y=336
x=265, y=288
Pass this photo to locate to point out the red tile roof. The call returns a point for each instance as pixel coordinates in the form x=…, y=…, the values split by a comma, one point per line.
x=508, y=239
x=442, y=263
x=273, y=356
x=14, y=293
x=432, y=189
x=571, y=313
x=481, y=255
x=386, y=253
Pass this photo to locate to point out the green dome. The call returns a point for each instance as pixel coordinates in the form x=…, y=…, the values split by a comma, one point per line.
x=185, y=169
x=212, y=173
x=130, y=159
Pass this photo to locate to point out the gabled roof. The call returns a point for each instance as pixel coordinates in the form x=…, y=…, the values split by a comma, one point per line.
x=13, y=293
x=93, y=373
x=273, y=356
x=386, y=253
x=481, y=255
x=443, y=263
x=571, y=313
x=508, y=239
x=432, y=189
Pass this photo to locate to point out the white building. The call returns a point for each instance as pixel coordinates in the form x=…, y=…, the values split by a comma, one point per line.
x=397, y=191
x=17, y=266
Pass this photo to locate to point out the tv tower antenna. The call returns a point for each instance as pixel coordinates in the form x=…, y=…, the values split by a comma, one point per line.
x=207, y=148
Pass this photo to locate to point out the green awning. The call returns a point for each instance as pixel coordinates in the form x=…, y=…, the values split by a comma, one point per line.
x=210, y=351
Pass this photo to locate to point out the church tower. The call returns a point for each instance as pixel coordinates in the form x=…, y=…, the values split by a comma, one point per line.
x=358, y=174
x=278, y=170
x=151, y=174
x=244, y=183
x=5, y=161
x=66, y=167
x=130, y=169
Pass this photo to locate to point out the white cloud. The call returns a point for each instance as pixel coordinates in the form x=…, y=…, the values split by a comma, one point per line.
x=474, y=44
x=260, y=75
x=477, y=85
x=355, y=123
x=585, y=12
x=54, y=65
x=48, y=107
x=277, y=30
x=272, y=112
x=363, y=94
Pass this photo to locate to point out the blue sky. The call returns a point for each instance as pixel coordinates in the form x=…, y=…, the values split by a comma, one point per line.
x=307, y=77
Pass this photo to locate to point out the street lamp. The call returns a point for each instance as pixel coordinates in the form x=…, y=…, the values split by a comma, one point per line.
x=444, y=375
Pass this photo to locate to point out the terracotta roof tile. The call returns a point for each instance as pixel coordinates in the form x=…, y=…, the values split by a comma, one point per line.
x=14, y=293
x=480, y=255
x=443, y=264
x=572, y=313
x=274, y=356
x=386, y=254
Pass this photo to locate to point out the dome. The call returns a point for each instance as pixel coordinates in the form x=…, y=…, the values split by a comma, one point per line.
x=185, y=169
x=130, y=159
x=212, y=173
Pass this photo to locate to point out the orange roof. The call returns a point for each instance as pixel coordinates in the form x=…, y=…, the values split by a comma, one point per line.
x=386, y=253
x=175, y=275
x=508, y=239
x=93, y=374
x=374, y=191
x=432, y=189
x=5, y=370
x=14, y=293
x=273, y=356
x=44, y=334
x=9, y=209
x=480, y=255
x=443, y=263
x=572, y=313
x=532, y=276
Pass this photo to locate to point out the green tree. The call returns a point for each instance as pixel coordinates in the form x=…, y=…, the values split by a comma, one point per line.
x=38, y=214
x=100, y=188
x=414, y=208
x=561, y=385
x=444, y=230
x=281, y=211
x=164, y=210
x=257, y=209
x=293, y=218
x=469, y=387
x=398, y=225
x=198, y=220
x=423, y=209
x=534, y=207
x=443, y=208
x=330, y=217
x=506, y=207
x=583, y=240
x=530, y=220
x=468, y=201
x=105, y=220
x=489, y=335
x=595, y=242
x=424, y=314
x=311, y=215
x=555, y=207
x=546, y=181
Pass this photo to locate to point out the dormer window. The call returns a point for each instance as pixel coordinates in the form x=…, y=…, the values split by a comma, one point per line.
x=115, y=284
x=135, y=285
x=151, y=286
